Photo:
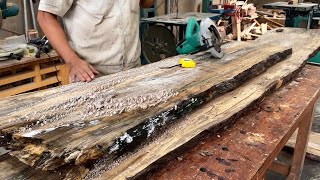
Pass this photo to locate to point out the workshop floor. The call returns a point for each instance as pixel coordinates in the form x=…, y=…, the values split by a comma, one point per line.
x=311, y=170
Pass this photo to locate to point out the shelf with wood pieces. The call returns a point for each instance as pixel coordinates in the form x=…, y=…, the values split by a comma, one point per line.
x=31, y=74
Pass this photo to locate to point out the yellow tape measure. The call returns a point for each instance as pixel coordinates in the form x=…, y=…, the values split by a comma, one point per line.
x=187, y=63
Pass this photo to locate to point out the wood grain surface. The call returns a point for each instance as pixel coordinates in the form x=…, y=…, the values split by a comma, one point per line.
x=113, y=115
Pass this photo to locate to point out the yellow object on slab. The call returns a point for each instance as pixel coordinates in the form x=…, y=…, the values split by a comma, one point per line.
x=187, y=63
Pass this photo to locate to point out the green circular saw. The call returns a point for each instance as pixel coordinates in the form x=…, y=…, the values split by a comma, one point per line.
x=205, y=36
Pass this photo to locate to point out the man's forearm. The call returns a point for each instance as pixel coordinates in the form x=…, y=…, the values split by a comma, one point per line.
x=146, y=3
x=55, y=34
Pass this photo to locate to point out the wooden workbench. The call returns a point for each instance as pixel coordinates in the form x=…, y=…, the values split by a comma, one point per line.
x=248, y=148
x=31, y=74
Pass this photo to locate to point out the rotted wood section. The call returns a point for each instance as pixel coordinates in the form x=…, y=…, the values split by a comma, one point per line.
x=102, y=122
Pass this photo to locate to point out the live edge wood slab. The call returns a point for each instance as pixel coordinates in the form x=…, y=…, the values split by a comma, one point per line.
x=113, y=115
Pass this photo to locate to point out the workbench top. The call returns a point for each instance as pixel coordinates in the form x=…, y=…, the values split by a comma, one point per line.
x=295, y=7
x=180, y=18
x=13, y=62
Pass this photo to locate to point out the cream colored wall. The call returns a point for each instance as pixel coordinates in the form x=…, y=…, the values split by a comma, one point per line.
x=16, y=23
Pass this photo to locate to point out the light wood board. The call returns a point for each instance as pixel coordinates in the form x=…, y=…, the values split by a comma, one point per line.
x=55, y=143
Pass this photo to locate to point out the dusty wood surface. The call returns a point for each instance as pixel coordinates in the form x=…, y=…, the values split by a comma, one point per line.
x=114, y=114
x=241, y=150
x=313, y=149
x=228, y=106
x=179, y=18
x=225, y=109
x=12, y=168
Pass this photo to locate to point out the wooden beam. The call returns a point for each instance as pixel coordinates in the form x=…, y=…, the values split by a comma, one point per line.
x=217, y=113
x=28, y=87
x=280, y=168
x=198, y=89
x=313, y=148
x=195, y=87
x=39, y=129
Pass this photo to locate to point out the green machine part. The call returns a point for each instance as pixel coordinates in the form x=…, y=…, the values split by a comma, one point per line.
x=191, y=42
x=8, y=9
x=315, y=60
x=206, y=5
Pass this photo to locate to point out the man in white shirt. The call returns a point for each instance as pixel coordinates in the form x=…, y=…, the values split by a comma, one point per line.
x=100, y=36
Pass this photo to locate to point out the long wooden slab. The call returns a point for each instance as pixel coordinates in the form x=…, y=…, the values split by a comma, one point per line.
x=111, y=116
x=136, y=163
x=217, y=113
x=47, y=147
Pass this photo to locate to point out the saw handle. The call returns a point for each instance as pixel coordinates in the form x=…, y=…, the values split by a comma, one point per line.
x=192, y=32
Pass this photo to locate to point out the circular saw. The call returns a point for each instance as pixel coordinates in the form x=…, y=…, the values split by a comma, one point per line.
x=158, y=43
x=203, y=37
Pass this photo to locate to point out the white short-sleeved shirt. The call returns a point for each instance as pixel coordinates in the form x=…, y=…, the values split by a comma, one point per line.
x=105, y=33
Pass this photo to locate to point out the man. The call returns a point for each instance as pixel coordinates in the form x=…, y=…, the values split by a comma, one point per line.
x=101, y=36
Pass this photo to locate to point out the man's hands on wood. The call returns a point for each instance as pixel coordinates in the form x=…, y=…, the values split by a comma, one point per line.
x=81, y=70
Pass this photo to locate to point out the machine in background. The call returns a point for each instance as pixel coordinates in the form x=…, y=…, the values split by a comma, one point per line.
x=7, y=10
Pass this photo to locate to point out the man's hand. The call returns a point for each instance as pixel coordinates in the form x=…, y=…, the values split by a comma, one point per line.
x=81, y=70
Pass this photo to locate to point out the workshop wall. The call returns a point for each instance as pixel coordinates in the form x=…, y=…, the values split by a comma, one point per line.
x=16, y=23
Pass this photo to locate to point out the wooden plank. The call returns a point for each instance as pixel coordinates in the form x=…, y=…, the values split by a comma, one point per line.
x=16, y=77
x=218, y=112
x=280, y=168
x=273, y=22
x=28, y=87
x=196, y=86
x=50, y=69
x=93, y=133
x=202, y=90
x=313, y=148
x=64, y=74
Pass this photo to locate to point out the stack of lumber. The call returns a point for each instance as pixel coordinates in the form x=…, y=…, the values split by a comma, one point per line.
x=119, y=125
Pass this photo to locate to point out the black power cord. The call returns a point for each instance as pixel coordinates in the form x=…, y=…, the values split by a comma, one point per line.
x=44, y=46
x=55, y=66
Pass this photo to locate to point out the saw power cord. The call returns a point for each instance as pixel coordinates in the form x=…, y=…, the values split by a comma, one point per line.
x=55, y=66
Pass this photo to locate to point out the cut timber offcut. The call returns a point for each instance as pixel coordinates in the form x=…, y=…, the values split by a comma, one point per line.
x=111, y=116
